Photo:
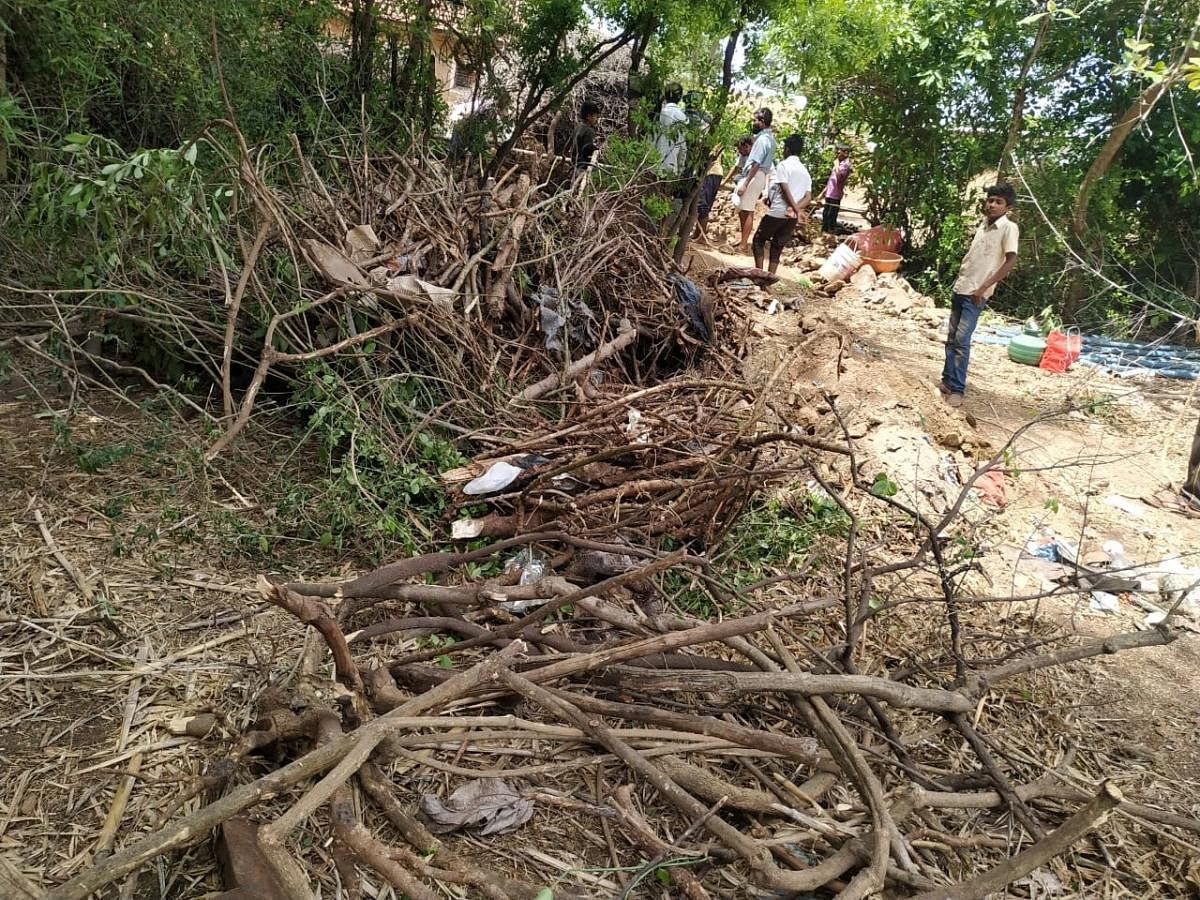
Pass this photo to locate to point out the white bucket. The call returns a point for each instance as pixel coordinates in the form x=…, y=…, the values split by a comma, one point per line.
x=842, y=263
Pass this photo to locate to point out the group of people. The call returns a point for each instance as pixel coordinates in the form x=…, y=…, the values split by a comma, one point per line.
x=786, y=187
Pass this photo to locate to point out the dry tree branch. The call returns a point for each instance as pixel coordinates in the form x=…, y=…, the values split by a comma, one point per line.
x=350, y=750
x=1054, y=844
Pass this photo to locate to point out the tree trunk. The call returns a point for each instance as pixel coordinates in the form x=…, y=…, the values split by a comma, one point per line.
x=1191, y=485
x=362, y=49
x=393, y=44
x=416, y=81
x=643, y=33
x=1141, y=107
x=535, y=107
x=1017, y=119
x=3, y=94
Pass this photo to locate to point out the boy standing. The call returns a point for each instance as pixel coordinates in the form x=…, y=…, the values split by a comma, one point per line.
x=583, y=142
x=835, y=188
x=787, y=196
x=992, y=255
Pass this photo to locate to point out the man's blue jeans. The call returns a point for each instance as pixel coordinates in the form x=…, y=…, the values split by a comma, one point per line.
x=964, y=316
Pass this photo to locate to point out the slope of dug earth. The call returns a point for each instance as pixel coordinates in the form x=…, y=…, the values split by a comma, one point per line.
x=1093, y=446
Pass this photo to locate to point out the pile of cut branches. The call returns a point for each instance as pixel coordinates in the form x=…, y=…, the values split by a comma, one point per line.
x=849, y=729
x=810, y=739
x=417, y=294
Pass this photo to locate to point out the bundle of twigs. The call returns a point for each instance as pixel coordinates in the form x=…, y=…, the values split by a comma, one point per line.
x=679, y=459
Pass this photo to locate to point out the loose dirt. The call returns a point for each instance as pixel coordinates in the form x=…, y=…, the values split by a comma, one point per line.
x=1118, y=439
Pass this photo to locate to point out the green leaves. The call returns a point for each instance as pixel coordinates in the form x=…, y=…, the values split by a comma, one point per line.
x=1191, y=73
x=883, y=486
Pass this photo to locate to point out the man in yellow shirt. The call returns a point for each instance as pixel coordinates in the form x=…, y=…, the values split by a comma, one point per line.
x=992, y=255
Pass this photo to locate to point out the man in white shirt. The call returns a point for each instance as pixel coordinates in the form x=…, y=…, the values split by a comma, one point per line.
x=670, y=139
x=754, y=178
x=788, y=194
x=992, y=255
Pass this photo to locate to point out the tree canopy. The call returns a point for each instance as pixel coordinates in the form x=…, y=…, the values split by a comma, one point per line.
x=1090, y=111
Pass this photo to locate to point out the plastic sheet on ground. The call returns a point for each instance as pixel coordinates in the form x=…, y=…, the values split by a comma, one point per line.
x=1123, y=358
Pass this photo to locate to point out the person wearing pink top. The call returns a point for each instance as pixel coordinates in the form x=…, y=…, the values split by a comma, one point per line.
x=835, y=188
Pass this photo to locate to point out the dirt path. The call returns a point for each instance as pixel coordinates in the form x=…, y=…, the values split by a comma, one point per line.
x=1130, y=440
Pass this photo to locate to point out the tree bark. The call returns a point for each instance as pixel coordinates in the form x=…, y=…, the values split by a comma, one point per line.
x=689, y=212
x=1054, y=844
x=3, y=94
x=1191, y=485
x=416, y=81
x=362, y=49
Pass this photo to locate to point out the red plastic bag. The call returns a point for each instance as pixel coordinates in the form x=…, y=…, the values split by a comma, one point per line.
x=877, y=238
x=1062, y=349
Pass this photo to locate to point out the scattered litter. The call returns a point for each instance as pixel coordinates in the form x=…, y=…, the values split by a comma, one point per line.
x=638, y=431
x=1054, y=549
x=399, y=263
x=949, y=470
x=530, y=563
x=991, y=489
x=411, y=284
x=555, y=313
x=362, y=243
x=522, y=606
x=499, y=476
x=489, y=802
x=1127, y=505
x=692, y=301
x=773, y=307
x=1041, y=883
x=1103, y=601
x=332, y=263
x=466, y=529
x=1115, y=551
x=1174, y=501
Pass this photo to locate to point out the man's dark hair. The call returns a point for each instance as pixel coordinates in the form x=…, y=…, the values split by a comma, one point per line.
x=672, y=91
x=1003, y=190
x=765, y=115
x=744, y=140
x=793, y=144
x=589, y=108
x=842, y=145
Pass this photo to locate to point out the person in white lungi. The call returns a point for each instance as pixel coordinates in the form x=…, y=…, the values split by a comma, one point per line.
x=752, y=183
